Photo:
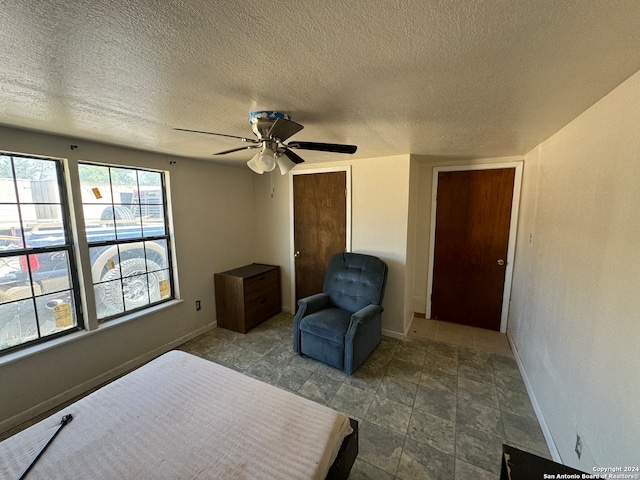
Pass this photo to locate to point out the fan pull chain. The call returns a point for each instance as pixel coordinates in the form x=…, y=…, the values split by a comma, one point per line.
x=273, y=188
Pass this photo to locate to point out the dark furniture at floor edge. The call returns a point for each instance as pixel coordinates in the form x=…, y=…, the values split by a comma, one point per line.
x=346, y=456
x=520, y=465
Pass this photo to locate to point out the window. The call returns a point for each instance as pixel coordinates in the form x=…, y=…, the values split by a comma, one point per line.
x=126, y=227
x=38, y=286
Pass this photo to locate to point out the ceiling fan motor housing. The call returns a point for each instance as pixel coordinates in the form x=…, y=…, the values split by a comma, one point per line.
x=262, y=121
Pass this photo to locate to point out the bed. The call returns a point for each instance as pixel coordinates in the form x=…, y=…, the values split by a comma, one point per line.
x=184, y=417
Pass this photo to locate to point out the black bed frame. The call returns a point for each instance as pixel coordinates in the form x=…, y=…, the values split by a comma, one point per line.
x=346, y=456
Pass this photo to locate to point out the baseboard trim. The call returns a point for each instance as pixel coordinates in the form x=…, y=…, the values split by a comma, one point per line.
x=551, y=445
x=393, y=334
x=67, y=395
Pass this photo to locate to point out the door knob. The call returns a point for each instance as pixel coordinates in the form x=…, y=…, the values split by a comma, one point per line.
x=297, y=254
x=501, y=262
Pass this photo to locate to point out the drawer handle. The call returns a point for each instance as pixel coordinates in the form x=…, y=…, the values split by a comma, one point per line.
x=262, y=278
x=264, y=300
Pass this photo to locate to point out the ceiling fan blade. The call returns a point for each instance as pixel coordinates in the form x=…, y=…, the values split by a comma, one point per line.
x=248, y=147
x=324, y=147
x=294, y=157
x=283, y=129
x=250, y=140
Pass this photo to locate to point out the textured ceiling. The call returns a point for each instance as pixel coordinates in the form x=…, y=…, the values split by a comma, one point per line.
x=456, y=78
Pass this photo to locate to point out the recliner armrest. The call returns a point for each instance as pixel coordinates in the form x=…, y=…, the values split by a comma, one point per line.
x=307, y=306
x=313, y=303
x=363, y=335
x=365, y=313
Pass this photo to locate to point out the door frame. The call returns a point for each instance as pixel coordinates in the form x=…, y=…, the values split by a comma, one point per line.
x=292, y=260
x=513, y=227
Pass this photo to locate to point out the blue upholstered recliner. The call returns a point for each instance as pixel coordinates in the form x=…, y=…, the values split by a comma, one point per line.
x=342, y=325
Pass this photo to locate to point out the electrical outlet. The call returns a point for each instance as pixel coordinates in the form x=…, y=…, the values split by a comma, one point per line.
x=578, y=446
x=198, y=305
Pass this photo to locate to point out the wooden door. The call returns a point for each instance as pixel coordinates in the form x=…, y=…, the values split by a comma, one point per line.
x=473, y=214
x=319, y=225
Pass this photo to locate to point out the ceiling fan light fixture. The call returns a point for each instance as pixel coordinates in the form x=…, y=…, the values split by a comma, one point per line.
x=283, y=162
x=253, y=165
x=264, y=161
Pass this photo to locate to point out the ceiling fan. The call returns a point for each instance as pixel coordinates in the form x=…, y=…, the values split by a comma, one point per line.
x=272, y=129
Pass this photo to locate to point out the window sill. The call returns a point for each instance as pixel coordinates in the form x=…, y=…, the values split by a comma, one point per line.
x=72, y=337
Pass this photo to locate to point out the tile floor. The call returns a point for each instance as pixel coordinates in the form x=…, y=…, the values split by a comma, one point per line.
x=437, y=407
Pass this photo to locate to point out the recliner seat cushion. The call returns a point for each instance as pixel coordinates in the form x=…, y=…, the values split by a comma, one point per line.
x=331, y=324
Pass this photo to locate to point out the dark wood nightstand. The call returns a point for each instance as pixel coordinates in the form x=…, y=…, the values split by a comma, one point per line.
x=247, y=296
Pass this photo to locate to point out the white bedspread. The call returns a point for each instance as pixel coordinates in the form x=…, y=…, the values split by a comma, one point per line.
x=182, y=417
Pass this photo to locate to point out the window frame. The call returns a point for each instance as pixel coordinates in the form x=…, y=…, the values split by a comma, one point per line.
x=116, y=242
x=68, y=247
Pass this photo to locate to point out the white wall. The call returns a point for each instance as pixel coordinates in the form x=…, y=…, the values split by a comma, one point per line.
x=379, y=223
x=575, y=307
x=272, y=242
x=413, y=223
x=379, y=226
x=213, y=229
